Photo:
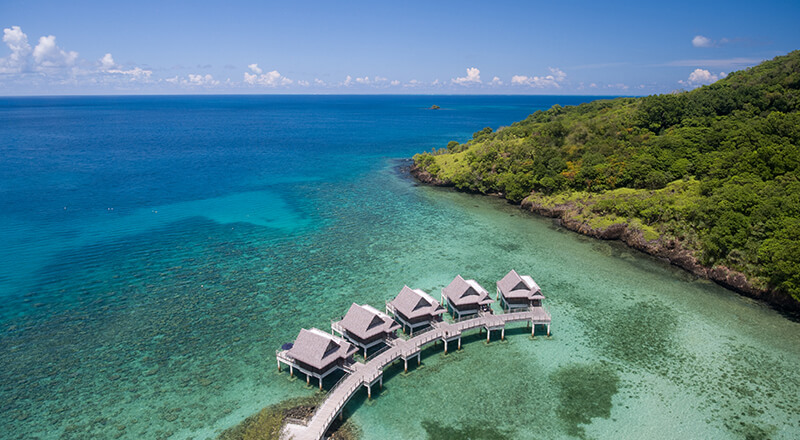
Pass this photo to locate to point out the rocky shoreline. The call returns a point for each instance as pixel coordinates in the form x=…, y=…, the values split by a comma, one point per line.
x=668, y=250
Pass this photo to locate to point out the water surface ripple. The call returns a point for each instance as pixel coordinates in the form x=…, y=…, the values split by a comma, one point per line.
x=157, y=250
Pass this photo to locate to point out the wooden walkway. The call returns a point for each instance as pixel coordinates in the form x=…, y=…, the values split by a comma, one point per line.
x=370, y=373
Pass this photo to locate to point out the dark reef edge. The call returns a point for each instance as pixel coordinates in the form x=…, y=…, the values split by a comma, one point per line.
x=667, y=250
x=268, y=423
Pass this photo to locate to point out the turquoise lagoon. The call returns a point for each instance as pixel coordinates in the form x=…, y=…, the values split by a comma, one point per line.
x=157, y=250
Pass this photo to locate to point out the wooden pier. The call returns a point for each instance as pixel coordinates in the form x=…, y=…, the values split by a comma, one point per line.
x=371, y=373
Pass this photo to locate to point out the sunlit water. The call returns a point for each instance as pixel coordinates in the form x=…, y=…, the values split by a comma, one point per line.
x=158, y=250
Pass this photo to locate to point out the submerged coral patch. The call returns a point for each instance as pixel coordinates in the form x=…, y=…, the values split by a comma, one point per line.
x=585, y=392
x=471, y=430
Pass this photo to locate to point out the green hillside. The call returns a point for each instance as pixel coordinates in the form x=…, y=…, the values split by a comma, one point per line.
x=714, y=170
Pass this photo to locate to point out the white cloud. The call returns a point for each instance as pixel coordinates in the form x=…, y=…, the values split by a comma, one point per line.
x=375, y=81
x=319, y=82
x=718, y=63
x=701, y=41
x=269, y=79
x=473, y=77
x=107, y=62
x=195, y=80
x=702, y=76
x=554, y=80
x=201, y=80
x=303, y=83
x=110, y=67
x=558, y=73
x=496, y=81
x=17, y=41
x=137, y=73
x=48, y=55
x=395, y=82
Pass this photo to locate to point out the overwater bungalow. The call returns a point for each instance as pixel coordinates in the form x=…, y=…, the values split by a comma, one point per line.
x=414, y=309
x=518, y=292
x=465, y=297
x=365, y=326
x=316, y=353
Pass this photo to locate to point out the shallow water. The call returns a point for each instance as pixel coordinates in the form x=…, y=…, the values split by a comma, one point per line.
x=159, y=318
x=639, y=350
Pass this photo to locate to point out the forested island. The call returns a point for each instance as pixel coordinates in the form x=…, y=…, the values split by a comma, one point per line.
x=706, y=178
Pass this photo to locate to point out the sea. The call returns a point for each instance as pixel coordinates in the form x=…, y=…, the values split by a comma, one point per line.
x=155, y=251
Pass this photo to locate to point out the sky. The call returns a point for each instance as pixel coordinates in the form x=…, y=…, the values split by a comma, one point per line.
x=393, y=47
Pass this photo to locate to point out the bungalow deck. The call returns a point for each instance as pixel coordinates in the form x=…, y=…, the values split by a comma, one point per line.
x=371, y=372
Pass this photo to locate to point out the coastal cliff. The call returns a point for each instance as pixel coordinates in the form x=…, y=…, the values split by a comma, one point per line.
x=570, y=216
x=668, y=249
x=707, y=179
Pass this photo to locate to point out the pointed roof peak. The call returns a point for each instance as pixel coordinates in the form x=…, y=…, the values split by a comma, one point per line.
x=461, y=292
x=514, y=285
x=319, y=349
x=366, y=321
x=415, y=303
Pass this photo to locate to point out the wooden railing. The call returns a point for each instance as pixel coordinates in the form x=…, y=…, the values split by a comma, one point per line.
x=366, y=373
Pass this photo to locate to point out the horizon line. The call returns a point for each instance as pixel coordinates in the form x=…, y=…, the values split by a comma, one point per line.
x=304, y=94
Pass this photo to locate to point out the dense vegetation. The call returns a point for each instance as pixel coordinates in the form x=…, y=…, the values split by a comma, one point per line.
x=715, y=168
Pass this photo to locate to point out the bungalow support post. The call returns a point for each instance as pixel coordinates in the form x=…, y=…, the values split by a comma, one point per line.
x=365, y=327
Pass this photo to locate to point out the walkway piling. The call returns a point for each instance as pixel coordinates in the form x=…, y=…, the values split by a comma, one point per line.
x=371, y=372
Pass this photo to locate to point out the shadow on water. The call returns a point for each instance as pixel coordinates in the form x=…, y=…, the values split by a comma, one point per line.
x=474, y=338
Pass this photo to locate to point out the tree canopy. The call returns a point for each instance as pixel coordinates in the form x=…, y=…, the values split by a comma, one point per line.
x=737, y=141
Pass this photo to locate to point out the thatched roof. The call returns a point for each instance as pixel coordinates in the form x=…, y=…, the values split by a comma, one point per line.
x=415, y=303
x=463, y=292
x=320, y=349
x=518, y=286
x=366, y=321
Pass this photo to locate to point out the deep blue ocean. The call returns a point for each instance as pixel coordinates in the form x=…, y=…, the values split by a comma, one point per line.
x=77, y=171
x=155, y=251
